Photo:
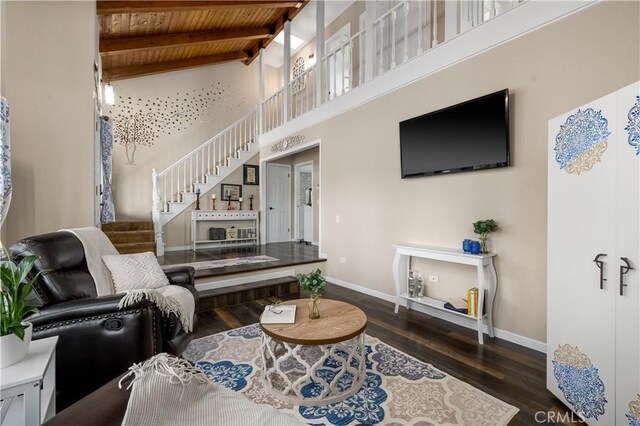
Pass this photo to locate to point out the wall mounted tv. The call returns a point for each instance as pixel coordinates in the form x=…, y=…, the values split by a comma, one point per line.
x=473, y=135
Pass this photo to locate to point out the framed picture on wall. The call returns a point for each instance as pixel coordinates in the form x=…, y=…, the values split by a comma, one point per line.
x=226, y=190
x=250, y=175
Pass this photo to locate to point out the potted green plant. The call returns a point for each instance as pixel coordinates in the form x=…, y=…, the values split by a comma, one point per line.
x=483, y=228
x=15, y=333
x=315, y=283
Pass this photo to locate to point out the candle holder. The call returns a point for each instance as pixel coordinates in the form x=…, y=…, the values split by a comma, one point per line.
x=250, y=202
x=239, y=205
x=197, y=200
x=228, y=202
x=213, y=204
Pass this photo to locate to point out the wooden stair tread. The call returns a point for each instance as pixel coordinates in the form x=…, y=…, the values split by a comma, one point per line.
x=124, y=237
x=248, y=286
x=129, y=225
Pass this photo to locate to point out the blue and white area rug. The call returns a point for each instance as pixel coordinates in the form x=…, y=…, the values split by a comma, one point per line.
x=399, y=389
x=221, y=263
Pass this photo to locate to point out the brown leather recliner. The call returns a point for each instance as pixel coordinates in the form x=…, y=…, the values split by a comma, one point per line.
x=97, y=341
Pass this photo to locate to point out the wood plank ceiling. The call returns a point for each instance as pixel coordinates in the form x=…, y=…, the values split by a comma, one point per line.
x=149, y=37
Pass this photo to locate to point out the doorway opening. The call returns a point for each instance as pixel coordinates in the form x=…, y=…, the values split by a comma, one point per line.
x=303, y=192
x=292, y=198
x=278, y=202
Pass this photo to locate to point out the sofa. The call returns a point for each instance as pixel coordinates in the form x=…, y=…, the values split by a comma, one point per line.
x=97, y=341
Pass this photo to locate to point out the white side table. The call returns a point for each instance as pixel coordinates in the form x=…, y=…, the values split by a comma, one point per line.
x=28, y=388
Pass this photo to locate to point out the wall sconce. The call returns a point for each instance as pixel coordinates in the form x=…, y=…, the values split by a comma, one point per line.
x=109, y=95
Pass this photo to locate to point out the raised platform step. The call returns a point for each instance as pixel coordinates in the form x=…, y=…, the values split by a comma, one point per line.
x=129, y=225
x=234, y=295
x=130, y=248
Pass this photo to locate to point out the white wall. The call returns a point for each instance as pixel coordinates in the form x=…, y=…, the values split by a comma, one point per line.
x=548, y=71
x=206, y=100
x=47, y=75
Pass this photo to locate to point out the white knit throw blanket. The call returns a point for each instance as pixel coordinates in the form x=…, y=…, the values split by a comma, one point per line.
x=169, y=299
x=96, y=244
x=167, y=390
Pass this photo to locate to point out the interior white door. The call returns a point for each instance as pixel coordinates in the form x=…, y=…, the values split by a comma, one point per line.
x=581, y=225
x=628, y=242
x=278, y=202
x=338, y=53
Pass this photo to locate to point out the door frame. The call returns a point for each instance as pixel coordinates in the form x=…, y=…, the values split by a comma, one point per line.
x=296, y=187
x=343, y=33
x=263, y=186
x=266, y=216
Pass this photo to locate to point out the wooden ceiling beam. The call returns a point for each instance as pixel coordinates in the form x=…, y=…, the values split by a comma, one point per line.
x=160, y=67
x=279, y=26
x=115, y=46
x=108, y=7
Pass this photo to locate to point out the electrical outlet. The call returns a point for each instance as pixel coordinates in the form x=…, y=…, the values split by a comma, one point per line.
x=433, y=278
x=337, y=218
x=343, y=260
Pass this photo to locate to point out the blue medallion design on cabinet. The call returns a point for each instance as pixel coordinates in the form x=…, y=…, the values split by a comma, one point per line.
x=581, y=141
x=634, y=412
x=579, y=381
x=633, y=127
x=226, y=373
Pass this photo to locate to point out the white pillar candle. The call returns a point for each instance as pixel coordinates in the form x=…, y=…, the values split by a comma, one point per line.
x=213, y=196
x=240, y=199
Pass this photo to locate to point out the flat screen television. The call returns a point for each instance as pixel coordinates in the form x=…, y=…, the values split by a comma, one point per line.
x=472, y=135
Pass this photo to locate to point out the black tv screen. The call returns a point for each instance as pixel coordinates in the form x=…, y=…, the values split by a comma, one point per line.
x=472, y=135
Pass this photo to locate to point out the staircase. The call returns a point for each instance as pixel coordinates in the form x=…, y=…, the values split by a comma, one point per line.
x=174, y=189
x=131, y=237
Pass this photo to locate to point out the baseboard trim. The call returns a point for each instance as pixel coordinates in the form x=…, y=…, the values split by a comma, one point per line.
x=470, y=323
x=244, y=280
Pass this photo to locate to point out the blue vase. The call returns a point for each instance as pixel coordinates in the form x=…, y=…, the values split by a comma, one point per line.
x=466, y=246
x=475, y=247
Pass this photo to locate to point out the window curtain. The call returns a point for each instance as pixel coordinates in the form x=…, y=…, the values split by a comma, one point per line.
x=107, y=212
x=5, y=160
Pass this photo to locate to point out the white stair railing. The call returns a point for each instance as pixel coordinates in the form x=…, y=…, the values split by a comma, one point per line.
x=174, y=188
x=185, y=174
x=273, y=111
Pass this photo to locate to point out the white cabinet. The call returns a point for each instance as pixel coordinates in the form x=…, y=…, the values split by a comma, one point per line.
x=593, y=325
x=486, y=275
x=28, y=388
x=244, y=221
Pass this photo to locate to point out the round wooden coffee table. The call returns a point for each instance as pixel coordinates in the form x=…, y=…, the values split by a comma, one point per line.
x=315, y=362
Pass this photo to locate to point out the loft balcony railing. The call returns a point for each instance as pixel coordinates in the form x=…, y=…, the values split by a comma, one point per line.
x=400, y=32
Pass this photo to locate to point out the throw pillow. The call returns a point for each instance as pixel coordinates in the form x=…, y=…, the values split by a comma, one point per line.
x=135, y=271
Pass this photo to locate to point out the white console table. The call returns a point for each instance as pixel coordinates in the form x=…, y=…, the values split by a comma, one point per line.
x=247, y=234
x=487, y=280
x=28, y=388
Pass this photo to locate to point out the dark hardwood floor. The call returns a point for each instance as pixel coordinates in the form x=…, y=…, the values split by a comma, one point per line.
x=507, y=371
x=288, y=254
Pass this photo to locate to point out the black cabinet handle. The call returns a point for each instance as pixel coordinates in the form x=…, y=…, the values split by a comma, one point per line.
x=600, y=264
x=623, y=270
